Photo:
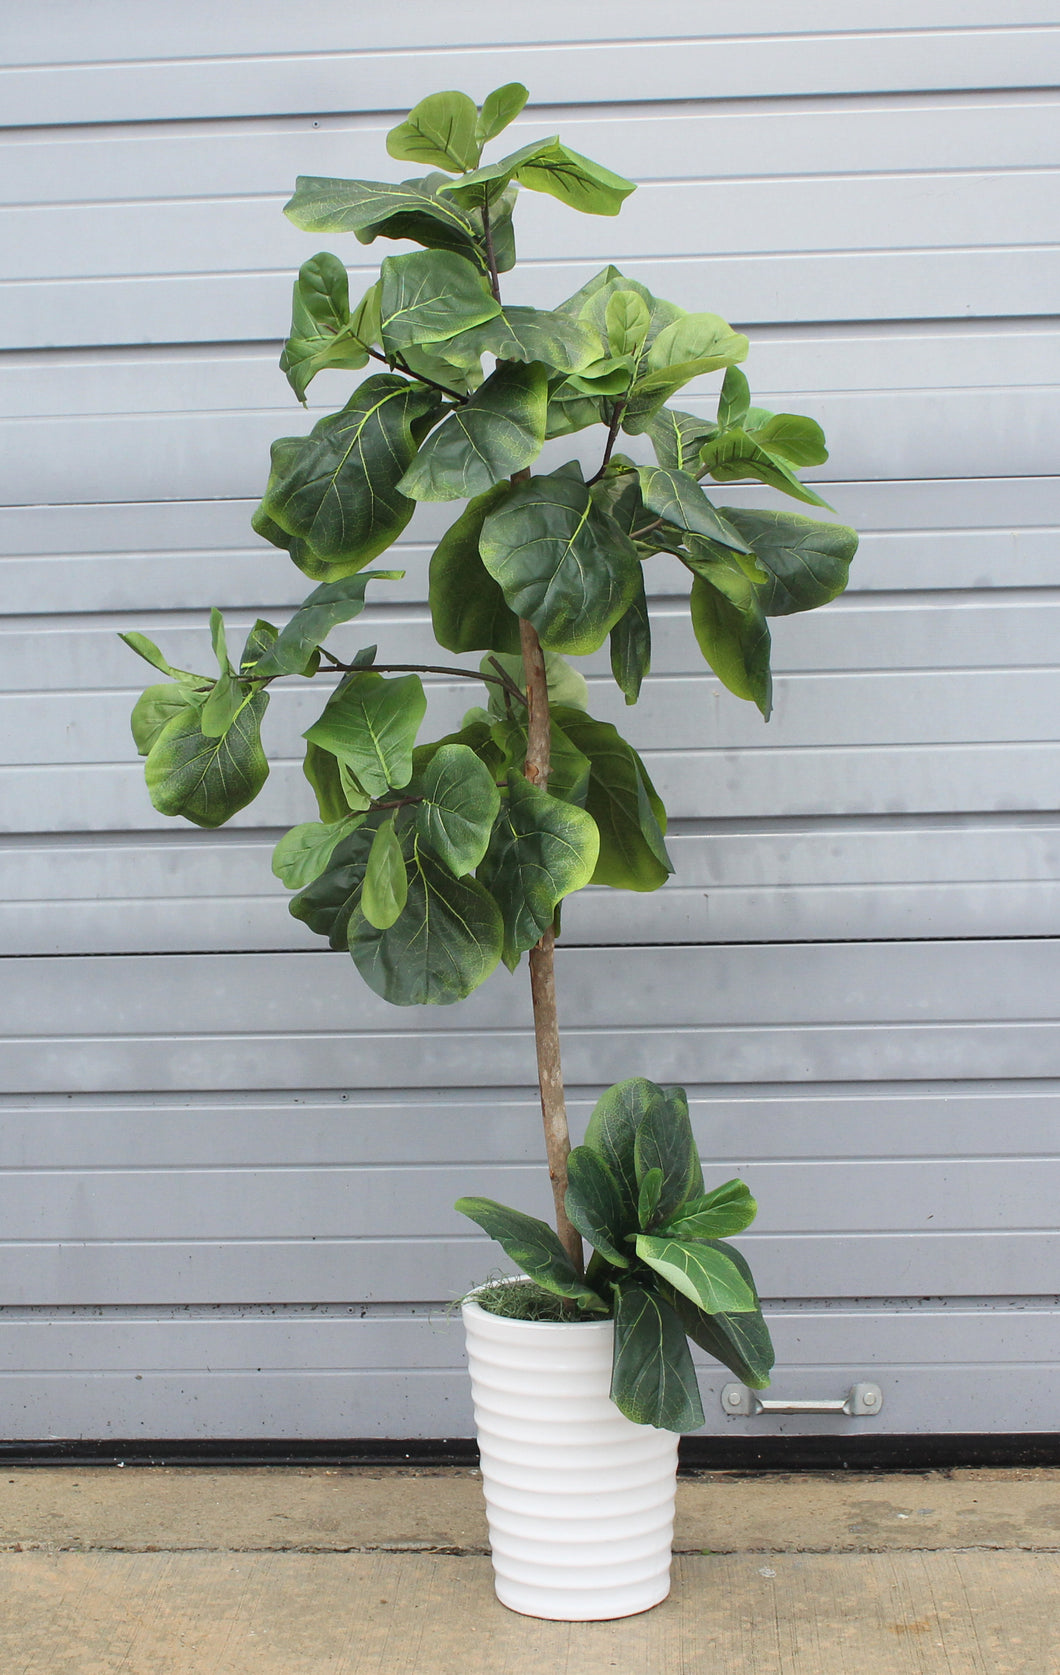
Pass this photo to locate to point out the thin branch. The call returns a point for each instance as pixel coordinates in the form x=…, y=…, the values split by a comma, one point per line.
x=419, y=669
x=612, y=437
x=393, y=361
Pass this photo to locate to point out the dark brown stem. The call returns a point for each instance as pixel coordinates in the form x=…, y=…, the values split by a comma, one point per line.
x=612, y=436
x=500, y=679
x=542, y=960
x=393, y=361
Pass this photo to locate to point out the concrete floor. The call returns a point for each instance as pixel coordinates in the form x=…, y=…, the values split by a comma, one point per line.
x=149, y=1571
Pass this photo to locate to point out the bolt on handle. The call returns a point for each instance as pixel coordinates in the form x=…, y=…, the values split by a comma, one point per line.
x=861, y=1401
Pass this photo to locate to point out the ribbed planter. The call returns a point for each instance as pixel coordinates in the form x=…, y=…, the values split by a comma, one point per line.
x=580, y=1501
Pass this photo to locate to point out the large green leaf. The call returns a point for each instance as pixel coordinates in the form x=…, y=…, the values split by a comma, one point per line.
x=537, y=1250
x=385, y=888
x=590, y=304
x=612, y=1129
x=335, y=490
x=323, y=331
x=735, y=642
x=445, y=943
x=458, y=805
x=441, y=130
x=664, y=1141
x=327, y=903
x=207, y=780
x=562, y=562
x=676, y=497
x=497, y=432
x=541, y=850
x=623, y=802
x=734, y=399
x=291, y=653
x=794, y=437
x=468, y=609
x=705, y=341
x=375, y=208
x=704, y=1273
x=596, y=1206
x=740, y=1342
x=677, y=437
x=806, y=561
x=737, y=454
x=371, y=724
x=304, y=852
x=570, y=409
x=549, y=166
x=499, y=108
x=528, y=334
x=428, y=296
x=631, y=646
x=156, y=707
x=335, y=794
x=713, y=1215
x=653, y=1380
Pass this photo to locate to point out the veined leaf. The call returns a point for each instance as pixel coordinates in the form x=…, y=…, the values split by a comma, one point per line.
x=648, y=1196
x=806, y=561
x=371, y=724
x=528, y=334
x=631, y=647
x=664, y=1142
x=429, y=296
x=575, y=180
x=736, y=454
x=468, y=609
x=734, y=400
x=497, y=432
x=702, y=1272
x=335, y=489
x=328, y=902
x=207, y=780
x=541, y=850
x=705, y=340
x=595, y=1205
x=156, y=707
x=623, y=802
x=795, y=438
x=590, y=304
x=735, y=642
x=304, y=852
x=336, y=797
x=373, y=208
x=612, y=1129
x=653, y=1380
x=627, y=319
x=537, y=1250
x=569, y=774
x=385, y=888
x=145, y=648
x=740, y=1342
x=291, y=653
x=223, y=703
x=714, y=1215
x=323, y=331
x=442, y=129
x=459, y=804
x=445, y=943
x=562, y=563
x=677, y=437
x=499, y=108
x=678, y=498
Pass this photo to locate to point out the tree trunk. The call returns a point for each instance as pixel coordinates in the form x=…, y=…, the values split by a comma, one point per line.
x=542, y=960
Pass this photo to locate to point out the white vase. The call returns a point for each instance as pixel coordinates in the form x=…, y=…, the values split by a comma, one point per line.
x=580, y=1501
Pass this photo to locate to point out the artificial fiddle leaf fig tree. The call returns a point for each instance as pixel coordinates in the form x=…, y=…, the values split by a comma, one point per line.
x=433, y=861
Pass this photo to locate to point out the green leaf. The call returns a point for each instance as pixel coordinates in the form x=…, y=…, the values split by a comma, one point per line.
x=537, y=1250
x=648, y=1198
x=562, y=563
x=155, y=708
x=612, y=1129
x=304, y=852
x=677, y=437
x=468, y=609
x=631, y=647
x=705, y=341
x=385, y=888
x=327, y=904
x=737, y=454
x=575, y=180
x=664, y=1142
x=714, y=1215
x=292, y=651
x=596, y=1206
x=740, y=1342
x=653, y=1380
x=797, y=439
x=497, y=432
x=627, y=320
x=499, y=108
x=806, y=560
x=704, y=1273
x=218, y=641
x=528, y=334
x=335, y=489
x=145, y=648
x=371, y=724
x=332, y=790
x=735, y=642
x=678, y=498
x=459, y=804
x=565, y=684
x=734, y=400
x=623, y=802
x=207, y=780
x=569, y=775
x=442, y=129
x=447, y=941
x=429, y=296
x=570, y=410
x=224, y=702
x=541, y=850
x=323, y=331
x=589, y=304
x=377, y=208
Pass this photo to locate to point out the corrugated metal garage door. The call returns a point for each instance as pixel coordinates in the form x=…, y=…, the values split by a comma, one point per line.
x=227, y=1169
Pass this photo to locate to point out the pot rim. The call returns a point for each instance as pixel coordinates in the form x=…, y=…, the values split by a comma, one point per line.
x=469, y=1305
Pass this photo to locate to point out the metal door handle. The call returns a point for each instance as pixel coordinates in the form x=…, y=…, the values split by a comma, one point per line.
x=862, y=1401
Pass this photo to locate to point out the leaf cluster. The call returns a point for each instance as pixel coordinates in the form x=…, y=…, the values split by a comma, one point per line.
x=661, y=1265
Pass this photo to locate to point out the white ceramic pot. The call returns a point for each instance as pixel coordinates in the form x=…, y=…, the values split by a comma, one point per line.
x=580, y=1501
